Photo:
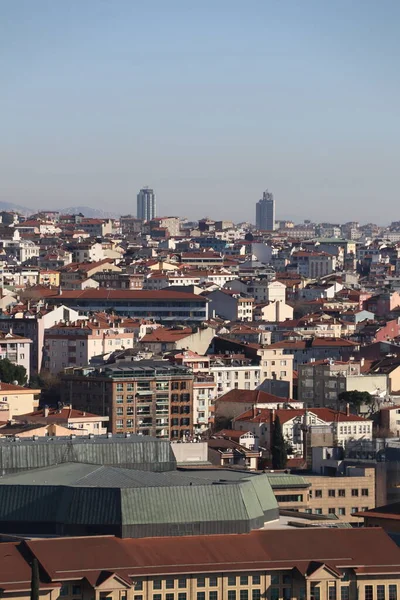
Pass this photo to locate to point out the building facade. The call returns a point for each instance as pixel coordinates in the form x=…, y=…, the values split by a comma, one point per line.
x=265, y=212
x=146, y=204
x=145, y=397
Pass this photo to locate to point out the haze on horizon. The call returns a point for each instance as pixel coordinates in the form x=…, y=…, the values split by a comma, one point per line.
x=209, y=103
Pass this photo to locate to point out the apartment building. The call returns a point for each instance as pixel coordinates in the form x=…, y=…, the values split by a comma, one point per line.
x=16, y=349
x=145, y=397
x=275, y=363
x=344, y=427
x=316, y=563
x=316, y=348
x=231, y=306
x=162, y=305
x=69, y=344
x=235, y=376
x=321, y=382
x=16, y=400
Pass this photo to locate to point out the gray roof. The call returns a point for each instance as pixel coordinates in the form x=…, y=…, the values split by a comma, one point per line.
x=134, y=452
x=74, y=499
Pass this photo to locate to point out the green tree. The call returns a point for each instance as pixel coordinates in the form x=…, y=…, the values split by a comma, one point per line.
x=10, y=372
x=35, y=583
x=278, y=450
x=355, y=399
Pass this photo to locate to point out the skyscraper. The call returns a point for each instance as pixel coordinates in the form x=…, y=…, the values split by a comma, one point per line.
x=265, y=212
x=146, y=204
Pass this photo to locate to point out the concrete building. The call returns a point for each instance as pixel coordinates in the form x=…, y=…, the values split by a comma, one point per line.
x=321, y=382
x=146, y=204
x=316, y=348
x=16, y=349
x=231, y=306
x=276, y=364
x=265, y=212
x=75, y=344
x=16, y=400
x=75, y=421
x=148, y=397
x=158, y=305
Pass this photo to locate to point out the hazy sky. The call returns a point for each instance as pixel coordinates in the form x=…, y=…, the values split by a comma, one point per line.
x=208, y=101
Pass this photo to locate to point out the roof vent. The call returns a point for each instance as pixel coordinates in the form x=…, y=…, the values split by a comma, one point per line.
x=109, y=434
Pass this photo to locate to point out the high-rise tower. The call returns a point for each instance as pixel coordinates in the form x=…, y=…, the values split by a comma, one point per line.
x=265, y=212
x=146, y=204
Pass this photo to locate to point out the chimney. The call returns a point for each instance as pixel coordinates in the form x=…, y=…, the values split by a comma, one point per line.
x=46, y=411
x=347, y=409
x=362, y=362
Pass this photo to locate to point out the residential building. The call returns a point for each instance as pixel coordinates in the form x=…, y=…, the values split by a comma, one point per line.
x=75, y=421
x=265, y=212
x=163, y=305
x=161, y=339
x=148, y=397
x=243, y=375
x=321, y=382
x=146, y=204
x=234, y=403
x=316, y=348
x=69, y=344
x=276, y=364
x=16, y=349
x=16, y=400
x=231, y=306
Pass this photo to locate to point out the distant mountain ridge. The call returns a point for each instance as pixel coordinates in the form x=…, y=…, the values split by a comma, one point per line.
x=88, y=211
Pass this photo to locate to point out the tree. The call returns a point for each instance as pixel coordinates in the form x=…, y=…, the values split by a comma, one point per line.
x=10, y=372
x=355, y=399
x=278, y=450
x=35, y=583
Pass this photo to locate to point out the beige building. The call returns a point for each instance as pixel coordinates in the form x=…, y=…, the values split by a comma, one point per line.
x=66, y=418
x=16, y=400
x=276, y=365
x=276, y=311
x=341, y=497
x=312, y=564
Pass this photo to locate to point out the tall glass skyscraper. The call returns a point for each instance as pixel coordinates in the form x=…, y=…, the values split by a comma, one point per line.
x=265, y=212
x=146, y=204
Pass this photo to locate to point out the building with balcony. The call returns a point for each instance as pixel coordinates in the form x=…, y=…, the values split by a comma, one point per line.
x=148, y=397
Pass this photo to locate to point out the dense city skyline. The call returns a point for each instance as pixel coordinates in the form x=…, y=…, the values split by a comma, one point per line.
x=226, y=101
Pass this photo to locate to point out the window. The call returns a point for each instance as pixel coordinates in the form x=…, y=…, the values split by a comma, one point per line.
x=331, y=511
x=213, y=596
x=157, y=596
x=77, y=591
x=302, y=593
x=64, y=590
x=120, y=410
x=275, y=579
x=274, y=593
x=138, y=585
x=244, y=595
x=182, y=582
x=331, y=493
x=315, y=592
x=287, y=579
x=120, y=424
x=169, y=584
x=368, y=592
x=256, y=595
x=157, y=584
x=318, y=493
x=380, y=592
x=201, y=596
x=344, y=592
x=169, y=596
x=136, y=597
x=393, y=592
x=120, y=387
x=201, y=581
x=354, y=492
x=256, y=579
x=286, y=593
x=244, y=580
x=289, y=497
x=341, y=511
x=231, y=594
x=354, y=509
x=318, y=511
x=182, y=596
x=231, y=579
x=212, y=581
x=332, y=592
x=120, y=398
x=342, y=493
x=365, y=492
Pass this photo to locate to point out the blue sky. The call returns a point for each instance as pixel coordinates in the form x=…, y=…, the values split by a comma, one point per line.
x=209, y=102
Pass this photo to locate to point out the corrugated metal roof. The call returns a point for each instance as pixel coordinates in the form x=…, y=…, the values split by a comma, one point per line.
x=283, y=480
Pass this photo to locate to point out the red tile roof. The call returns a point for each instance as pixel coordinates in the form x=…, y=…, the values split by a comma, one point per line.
x=104, y=294
x=250, y=397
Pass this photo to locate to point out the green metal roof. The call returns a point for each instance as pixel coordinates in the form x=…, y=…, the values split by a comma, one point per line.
x=285, y=480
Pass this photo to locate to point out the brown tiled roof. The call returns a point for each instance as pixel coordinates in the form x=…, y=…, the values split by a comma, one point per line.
x=250, y=397
x=75, y=558
x=160, y=334
x=104, y=294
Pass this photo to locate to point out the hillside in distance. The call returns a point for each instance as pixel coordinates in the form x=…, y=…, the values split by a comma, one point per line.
x=87, y=211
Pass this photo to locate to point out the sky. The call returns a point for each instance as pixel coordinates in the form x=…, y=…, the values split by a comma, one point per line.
x=209, y=102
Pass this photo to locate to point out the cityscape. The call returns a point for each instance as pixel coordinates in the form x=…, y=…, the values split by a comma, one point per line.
x=199, y=300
